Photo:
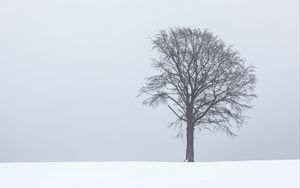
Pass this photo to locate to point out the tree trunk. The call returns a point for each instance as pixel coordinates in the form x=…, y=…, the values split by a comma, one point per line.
x=190, y=144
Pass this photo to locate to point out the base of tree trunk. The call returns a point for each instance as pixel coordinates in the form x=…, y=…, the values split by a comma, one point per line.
x=189, y=157
x=189, y=161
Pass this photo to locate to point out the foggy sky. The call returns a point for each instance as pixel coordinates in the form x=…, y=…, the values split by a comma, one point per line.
x=70, y=73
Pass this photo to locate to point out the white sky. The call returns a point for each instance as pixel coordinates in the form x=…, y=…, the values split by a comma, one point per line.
x=70, y=71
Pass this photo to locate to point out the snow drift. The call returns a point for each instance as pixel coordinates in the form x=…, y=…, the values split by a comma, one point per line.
x=239, y=174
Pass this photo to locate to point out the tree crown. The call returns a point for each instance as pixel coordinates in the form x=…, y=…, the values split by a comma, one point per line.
x=200, y=79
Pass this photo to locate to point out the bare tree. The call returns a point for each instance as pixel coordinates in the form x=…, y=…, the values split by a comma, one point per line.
x=203, y=82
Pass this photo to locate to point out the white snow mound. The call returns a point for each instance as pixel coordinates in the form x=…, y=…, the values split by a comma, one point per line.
x=239, y=174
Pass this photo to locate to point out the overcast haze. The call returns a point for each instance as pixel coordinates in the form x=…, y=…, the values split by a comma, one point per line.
x=70, y=71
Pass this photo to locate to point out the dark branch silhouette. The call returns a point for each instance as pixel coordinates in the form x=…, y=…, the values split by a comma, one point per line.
x=203, y=82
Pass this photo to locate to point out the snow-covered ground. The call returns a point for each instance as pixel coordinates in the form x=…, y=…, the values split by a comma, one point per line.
x=240, y=174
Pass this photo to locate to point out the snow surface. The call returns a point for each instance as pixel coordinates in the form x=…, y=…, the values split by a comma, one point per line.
x=239, y=174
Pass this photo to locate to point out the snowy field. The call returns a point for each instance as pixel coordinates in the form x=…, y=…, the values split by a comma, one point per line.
x=246, y=174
